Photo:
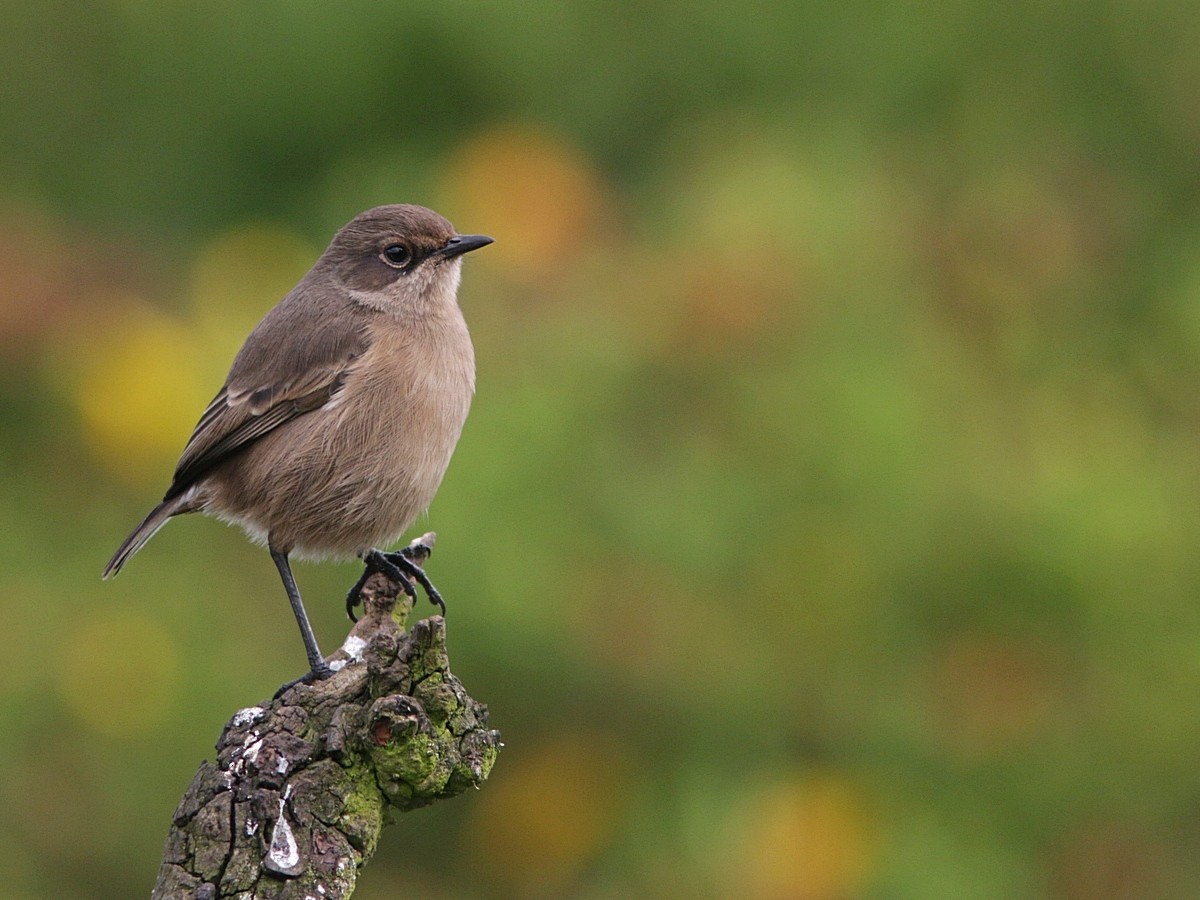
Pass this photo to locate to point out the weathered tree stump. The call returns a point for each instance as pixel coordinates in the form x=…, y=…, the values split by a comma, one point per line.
x=302, y=785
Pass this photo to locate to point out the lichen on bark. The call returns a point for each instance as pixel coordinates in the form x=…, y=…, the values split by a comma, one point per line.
x=301, y=787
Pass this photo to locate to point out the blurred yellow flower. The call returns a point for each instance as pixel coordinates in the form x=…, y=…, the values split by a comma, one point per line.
x=538, y=195
x=118, y=672
x=803, y=839
x=548, y=814
x=139, y=391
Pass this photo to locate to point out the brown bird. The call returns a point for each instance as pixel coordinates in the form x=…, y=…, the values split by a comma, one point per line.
x=341, y=411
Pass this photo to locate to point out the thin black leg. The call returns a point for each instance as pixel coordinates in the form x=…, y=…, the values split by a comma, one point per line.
x=318, y=668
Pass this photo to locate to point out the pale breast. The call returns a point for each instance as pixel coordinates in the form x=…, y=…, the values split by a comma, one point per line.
x=356, y=473
x=404, y=407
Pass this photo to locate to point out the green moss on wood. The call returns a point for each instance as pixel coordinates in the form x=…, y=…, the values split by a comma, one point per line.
x=394, y=730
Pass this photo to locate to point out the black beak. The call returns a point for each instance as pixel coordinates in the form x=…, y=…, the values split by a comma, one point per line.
x=464, y=243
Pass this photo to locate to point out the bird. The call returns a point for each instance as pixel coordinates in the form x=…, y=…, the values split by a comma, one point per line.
x=340, y=413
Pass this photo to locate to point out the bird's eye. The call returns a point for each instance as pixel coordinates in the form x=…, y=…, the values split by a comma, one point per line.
x=396, y=255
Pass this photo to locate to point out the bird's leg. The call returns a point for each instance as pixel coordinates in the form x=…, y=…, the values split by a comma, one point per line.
x=318, y=668
x=396, y=566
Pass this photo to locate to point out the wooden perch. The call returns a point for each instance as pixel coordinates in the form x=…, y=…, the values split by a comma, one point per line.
x=302, y=786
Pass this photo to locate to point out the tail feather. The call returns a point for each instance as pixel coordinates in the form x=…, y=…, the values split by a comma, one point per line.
x=157, y=518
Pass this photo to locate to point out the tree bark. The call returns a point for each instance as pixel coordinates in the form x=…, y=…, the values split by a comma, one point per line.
x=302, y=785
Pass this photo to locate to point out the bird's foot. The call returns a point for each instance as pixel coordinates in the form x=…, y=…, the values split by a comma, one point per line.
x=317, y=673
x=400, y=566
x=404, y=559
x=376, y=561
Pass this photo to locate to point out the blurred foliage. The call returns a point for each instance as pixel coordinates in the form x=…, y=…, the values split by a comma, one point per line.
x=826, y=523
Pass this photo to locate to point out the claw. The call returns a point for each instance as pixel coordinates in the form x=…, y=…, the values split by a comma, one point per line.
x=396, y=566
x=318, y=674
x=402, y=560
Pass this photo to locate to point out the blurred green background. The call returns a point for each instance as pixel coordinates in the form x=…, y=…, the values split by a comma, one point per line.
x=826, y=524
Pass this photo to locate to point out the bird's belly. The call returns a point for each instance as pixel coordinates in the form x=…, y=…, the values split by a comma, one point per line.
x=345, y=478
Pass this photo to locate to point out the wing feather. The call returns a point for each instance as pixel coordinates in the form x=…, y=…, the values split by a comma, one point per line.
x=229, y=426
x=294, y=362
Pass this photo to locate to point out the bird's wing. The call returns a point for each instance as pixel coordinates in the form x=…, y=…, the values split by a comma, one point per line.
x=292, y=364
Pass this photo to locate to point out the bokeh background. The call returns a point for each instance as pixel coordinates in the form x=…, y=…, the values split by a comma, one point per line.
x=827, y=524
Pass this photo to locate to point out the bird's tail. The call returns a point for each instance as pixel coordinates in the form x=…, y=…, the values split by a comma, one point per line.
x=157, y=518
